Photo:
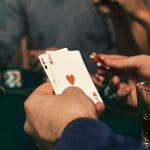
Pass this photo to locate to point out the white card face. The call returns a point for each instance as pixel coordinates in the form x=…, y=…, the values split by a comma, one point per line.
x=46, y=64
x=59, y=51
x=70, y=70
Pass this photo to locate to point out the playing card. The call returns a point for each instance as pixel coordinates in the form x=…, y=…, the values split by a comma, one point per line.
x=69, y=70
x=50, y=63
x=58, y=52
x=46, y=64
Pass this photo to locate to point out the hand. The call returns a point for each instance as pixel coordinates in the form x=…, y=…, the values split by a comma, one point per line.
x=103, y=73
x=47, y=115
x=137, y=65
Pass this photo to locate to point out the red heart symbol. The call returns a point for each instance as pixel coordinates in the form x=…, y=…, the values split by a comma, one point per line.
x=95, y=95
x=70, y=78
x=51, y=62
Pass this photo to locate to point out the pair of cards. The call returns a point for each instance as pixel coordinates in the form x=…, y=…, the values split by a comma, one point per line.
x=66, y=68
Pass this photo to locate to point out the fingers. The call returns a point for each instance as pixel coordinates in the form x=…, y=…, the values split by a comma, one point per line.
x=123, y=90
x=37, y=97
x=27, y=128
x=93, y=57
x=119, y=64
x=96, y=57
x=105, y=60
x=126, y=91
x=45, y=88
x=98, y=79
x=99, y=61
x=100, y=107
x=112, y=57
x=114, y=81
x=72, y=91
x=77, y=92
x=132, y=98
x=125, y=63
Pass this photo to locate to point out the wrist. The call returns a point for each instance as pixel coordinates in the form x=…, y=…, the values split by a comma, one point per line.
x=66, y=123
x=73, y=123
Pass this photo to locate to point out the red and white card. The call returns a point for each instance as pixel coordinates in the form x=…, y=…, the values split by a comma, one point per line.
x=66, y=68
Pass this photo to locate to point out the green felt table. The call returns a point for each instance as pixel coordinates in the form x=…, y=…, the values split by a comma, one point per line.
x=119, y=118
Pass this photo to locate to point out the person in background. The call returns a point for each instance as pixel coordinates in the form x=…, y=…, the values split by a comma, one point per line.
x=69, y=122
x=52, y=23
x=124, y=73
x=73, y=24
x=131, y=22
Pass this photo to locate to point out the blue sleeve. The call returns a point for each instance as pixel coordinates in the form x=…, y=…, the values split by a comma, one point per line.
x=90, y=134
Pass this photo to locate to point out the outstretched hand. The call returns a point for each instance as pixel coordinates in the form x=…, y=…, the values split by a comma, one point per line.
x=130, y=69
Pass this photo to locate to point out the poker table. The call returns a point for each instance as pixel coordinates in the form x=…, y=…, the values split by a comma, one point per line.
x=120, y=118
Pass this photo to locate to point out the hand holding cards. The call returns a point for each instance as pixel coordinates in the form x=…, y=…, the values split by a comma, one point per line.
x=66, y=68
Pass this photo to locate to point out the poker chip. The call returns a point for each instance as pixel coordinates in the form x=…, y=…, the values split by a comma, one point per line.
x=12, y=79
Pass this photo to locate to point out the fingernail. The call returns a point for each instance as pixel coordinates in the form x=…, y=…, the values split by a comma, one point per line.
x=98, y=64
x=92, y=56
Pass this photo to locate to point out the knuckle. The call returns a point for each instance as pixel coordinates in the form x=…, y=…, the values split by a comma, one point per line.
x=26, y=105
x=73, y=89
x=27, y=128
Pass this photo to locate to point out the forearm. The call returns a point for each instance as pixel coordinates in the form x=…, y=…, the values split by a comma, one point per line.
x=140, y=27
x=144, y=19
x=132, y=33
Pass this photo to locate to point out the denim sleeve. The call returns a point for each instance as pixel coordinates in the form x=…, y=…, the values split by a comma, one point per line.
x=11, y=31
x=90, y=134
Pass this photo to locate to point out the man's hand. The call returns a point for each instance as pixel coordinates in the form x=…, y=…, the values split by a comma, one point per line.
x=132, y=69
x=47, y=115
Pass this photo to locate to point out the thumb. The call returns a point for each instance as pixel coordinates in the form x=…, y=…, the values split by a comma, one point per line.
x=45, y=88
x=99, y=108
x=129, y=62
